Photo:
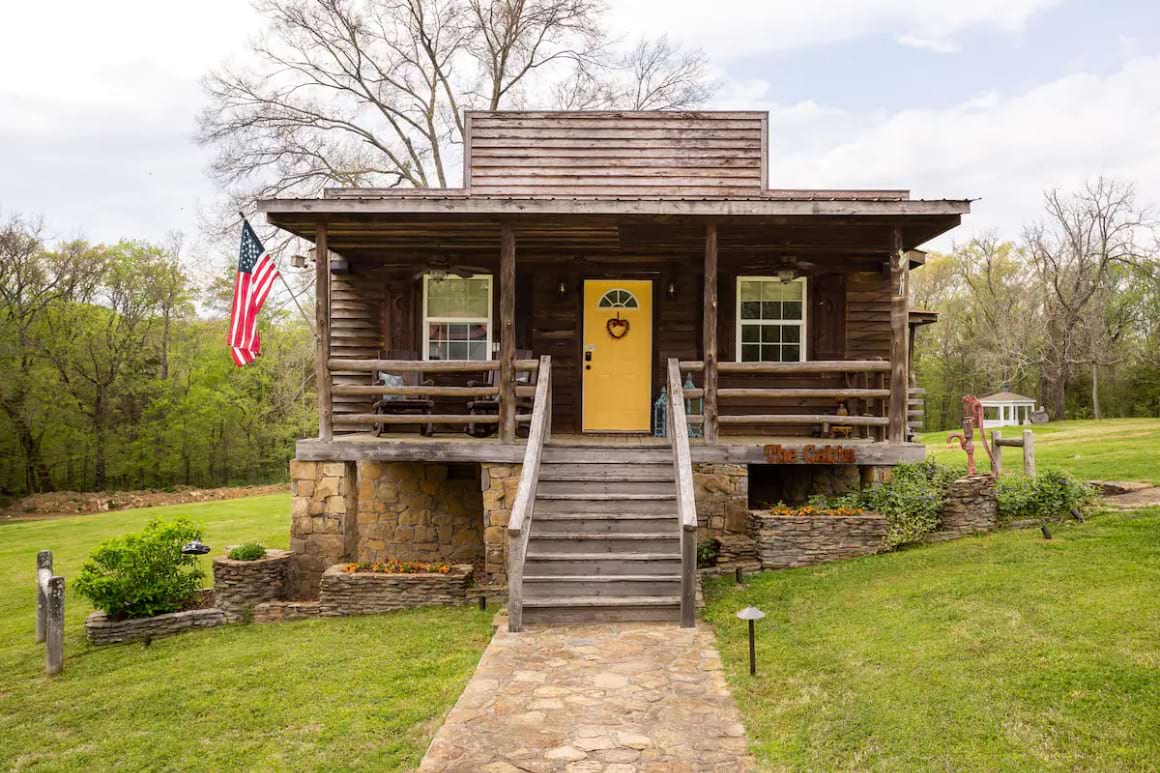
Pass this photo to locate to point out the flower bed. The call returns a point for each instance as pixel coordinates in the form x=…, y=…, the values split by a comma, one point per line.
x=397, y=567
x=788, y=537
x=242, y=585
x=346, y=590
x=104, y=629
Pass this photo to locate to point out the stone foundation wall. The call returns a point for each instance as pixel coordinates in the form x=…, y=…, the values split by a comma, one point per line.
x=499, y=483
x=970, y=507
x=239, y=586
x=323, y=521
x=354, y=593
x=722, y=494
x=101, y=629
x=411, y=511
x=788, y=541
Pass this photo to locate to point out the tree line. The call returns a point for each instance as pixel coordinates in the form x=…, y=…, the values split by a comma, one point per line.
x=1069, y=313
x=116, y=373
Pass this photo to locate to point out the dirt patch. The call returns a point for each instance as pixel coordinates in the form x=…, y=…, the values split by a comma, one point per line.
x=1133, y=500
x=61, y=503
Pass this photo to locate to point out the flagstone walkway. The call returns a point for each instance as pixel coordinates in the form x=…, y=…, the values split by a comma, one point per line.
x=608, y=698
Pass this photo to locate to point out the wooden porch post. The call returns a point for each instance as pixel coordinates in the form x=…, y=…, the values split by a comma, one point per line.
x=709, y=334
x=507, y=334
x=322, y=325
x=899, y=338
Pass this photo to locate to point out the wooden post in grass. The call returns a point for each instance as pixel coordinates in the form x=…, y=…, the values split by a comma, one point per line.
x=50, y=613
x=996, y=453
x=1029, y=453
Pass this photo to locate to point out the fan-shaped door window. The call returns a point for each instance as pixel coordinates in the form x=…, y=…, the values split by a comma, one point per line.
x=617, y=299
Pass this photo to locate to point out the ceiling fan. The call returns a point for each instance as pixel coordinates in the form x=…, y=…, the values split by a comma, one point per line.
x=789, y=269
x=440, y=267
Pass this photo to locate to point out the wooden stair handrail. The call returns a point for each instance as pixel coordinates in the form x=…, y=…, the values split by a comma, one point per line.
x=523, y=509
x=686, y=499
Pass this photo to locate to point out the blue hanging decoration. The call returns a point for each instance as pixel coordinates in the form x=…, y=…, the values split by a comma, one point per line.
x=693, y=407
x=661, y=414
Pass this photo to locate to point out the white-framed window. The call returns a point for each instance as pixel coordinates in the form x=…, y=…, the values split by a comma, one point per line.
x=457, y=317
x=617, y=299
x=771, y=319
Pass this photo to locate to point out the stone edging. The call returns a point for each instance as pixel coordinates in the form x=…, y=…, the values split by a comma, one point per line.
x=239, y=586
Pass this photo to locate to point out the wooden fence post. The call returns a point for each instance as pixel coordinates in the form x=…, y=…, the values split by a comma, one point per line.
x=996, y=453
x=50, y=613
x=1029, y=453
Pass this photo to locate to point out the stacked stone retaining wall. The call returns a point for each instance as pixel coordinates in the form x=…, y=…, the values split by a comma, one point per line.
x=356, y=593
x=239, y=586
x=970, y=507
x=788, y=541
x=102, y=629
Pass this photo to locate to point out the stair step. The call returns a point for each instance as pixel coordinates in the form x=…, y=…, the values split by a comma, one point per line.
x=600, y=472
x=617, y=455
x=564, y=564
x=578, y=542
x=591, y=609
x=604, y=523
x=607, y=485
x=607, y=503
x=604, y=601
x=596, y=497
x=548, y=586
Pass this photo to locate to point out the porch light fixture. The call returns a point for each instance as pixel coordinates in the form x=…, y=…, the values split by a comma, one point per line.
x=562, y=288
x=786, y=274
x=752, y=614
x=671, y=289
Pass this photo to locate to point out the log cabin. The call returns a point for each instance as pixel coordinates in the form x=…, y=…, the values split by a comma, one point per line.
x=612, y=341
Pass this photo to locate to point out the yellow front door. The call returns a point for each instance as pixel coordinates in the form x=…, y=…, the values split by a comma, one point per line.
x=617, y=355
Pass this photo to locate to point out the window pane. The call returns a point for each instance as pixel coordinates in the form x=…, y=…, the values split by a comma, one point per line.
x=790, y=353
x=771, y=334
x=457, y=297
x=457, y=350
x=750, y=333
x=750, y=310
x=477, y=350
x=771, y=310
x=750, y=353
x=791, y=310
x=750, y=290
x=791, y=334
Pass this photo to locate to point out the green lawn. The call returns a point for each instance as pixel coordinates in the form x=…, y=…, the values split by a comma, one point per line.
x=352, y=694
x=1111, y=449
x=998, y=652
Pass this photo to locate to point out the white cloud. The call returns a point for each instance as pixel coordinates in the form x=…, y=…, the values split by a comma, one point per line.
x=934, y=45
x=1003, y=149
x=746, y=27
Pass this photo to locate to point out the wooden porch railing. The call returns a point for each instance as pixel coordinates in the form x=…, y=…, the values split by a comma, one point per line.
x=507, y=401
x=520, y=523
x=686, y=502
x=867, y=371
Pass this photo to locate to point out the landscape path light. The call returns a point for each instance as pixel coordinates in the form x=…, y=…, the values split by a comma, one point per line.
x=752, y=614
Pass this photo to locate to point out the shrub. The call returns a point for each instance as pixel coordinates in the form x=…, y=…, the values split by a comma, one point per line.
x=708, y=550
x=1050, y=494
x=911, y=500
x=139, y=575
x=251, y=551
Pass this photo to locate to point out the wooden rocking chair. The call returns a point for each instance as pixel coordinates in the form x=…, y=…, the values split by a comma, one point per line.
x=489, y=406
x=403, y=405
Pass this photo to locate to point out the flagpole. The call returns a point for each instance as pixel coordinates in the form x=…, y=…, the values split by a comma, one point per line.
x=290, y=290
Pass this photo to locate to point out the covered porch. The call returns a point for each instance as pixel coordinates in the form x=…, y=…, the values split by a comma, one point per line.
x=836, y=268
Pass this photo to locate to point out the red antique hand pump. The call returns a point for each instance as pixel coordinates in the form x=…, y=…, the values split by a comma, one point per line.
x=972, y=417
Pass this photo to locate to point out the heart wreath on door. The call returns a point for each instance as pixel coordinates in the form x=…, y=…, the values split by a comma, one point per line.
x=617, y=328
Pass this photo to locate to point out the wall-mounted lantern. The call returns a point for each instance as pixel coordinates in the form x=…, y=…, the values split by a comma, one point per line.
x=671, y=289
x=562, y=288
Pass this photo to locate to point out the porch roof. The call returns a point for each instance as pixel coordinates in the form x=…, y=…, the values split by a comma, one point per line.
x=372, y=222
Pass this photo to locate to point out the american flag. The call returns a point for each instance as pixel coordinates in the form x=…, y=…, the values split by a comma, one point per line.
x=256, y=275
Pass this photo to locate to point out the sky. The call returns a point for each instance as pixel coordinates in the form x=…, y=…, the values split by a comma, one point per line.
x=993, y=100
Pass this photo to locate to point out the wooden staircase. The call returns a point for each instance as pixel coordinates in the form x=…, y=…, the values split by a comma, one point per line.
x=605, y=540
x=603, y=533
